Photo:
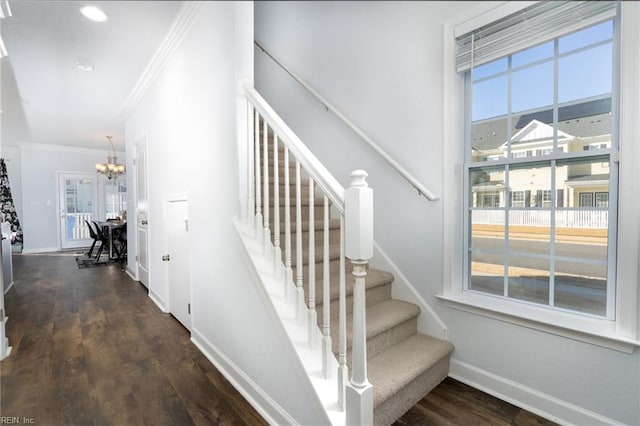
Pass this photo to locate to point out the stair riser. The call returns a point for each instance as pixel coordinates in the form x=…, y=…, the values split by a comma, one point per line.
x=334, y=237
x=318, y=214
x=373, y=296
x=379, y=343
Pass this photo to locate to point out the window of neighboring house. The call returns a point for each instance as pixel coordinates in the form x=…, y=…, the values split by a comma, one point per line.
x=602, y=199
x=585, y=199
x=490, y=200
x=517, y=198
x=537, y=251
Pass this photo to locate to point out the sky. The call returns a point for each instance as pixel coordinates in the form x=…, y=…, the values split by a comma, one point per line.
x=585, y=69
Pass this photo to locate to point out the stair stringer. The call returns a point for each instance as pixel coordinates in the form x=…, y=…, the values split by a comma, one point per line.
x=309, y=366
x=429, y=322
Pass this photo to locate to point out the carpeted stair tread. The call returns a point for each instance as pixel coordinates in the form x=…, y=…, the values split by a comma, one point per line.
x=398, y=366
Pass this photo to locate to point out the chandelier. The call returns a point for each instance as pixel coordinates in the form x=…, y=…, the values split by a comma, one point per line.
x=111, y=169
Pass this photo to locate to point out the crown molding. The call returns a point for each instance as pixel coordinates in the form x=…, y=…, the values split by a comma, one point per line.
x=187, y=15
x=63, y=148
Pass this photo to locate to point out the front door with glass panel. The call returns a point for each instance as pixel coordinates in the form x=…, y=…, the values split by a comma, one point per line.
x=78, y=202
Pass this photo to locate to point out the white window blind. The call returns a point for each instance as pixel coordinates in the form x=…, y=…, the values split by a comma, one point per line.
x=533, y=25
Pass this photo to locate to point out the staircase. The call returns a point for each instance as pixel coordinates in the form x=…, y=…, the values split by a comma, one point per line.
x=401, y=364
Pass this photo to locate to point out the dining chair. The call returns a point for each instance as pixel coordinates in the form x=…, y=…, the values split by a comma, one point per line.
x=94, y=236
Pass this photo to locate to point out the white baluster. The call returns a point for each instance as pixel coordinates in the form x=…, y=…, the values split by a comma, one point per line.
x=299, y=261
x=277, y=252
x=358, y=204
x=326, y=297
x=343, y=370
x=312, y=321
x=266, y=233
x=287, y=226
x=258, y=189
x=251, y=207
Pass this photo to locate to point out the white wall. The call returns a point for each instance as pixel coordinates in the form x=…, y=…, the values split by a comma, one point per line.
x=188, y=117
x=39, y=165
x=381, y=64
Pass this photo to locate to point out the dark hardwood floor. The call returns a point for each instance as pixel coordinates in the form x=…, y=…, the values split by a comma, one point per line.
x=91, y=348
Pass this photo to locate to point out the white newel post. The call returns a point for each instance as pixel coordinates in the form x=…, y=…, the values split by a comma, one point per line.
x=358, y=206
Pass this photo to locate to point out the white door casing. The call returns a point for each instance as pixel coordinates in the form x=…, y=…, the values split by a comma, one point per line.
x=142, y=211
x=77, y=201
x=177, y=258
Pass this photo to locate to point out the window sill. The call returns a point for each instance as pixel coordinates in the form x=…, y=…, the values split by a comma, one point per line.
x=596, y=331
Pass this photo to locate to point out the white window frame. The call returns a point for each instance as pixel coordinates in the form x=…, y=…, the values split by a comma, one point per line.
x=620, y=333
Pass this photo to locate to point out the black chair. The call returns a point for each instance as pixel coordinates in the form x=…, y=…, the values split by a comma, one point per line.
x=122, y=241
x=103, y=239
x=93, y=235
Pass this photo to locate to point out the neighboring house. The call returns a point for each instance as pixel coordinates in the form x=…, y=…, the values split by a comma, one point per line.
x=581, y=127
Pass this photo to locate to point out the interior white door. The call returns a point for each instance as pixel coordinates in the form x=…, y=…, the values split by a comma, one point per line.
x=178, y=260
x=142, y=213
x=78, y=197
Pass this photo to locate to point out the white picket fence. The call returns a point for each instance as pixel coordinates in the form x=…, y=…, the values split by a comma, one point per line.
x=583, y=218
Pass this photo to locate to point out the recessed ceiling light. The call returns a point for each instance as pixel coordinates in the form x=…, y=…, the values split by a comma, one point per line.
x=85, y=67
x=93, y=13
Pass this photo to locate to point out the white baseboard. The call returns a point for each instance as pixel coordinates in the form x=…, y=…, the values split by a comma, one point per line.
x=131, y=274
x=158, y=301
x=540, y=403
x=8, y=287
x=267, y=407
x=40, y=250
x=428, y=321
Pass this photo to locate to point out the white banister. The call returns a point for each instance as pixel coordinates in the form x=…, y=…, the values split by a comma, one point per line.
x=354, y=208
x=422, y=190
x=343, y=371
x=258, y=188
x=312, y=318
x=265, y=214
x=325, y=180
x=326, y=296
x=251, y=114
x=359, y=249
x=288, y=276
x=299, y=289
x=277, y=251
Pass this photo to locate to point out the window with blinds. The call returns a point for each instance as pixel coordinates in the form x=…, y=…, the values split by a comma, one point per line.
x=540, y=92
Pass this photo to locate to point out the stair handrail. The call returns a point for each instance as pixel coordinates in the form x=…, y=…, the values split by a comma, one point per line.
x=422, y=190
x=320, y=174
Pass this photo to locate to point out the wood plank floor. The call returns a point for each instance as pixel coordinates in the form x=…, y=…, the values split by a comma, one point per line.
x=91, y=348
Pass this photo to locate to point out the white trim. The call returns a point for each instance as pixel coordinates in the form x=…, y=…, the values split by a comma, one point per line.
x=158, y=300
x=183, y=22
x=131, y=274
x=63, y=148
x=273, y=413
x=532, y=400
x=628, y=295
x=583, y=328
x=402, y=289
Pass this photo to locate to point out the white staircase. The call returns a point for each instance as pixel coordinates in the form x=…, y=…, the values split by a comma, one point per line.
x=361, y=348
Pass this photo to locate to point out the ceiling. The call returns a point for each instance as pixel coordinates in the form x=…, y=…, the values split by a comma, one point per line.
x=46, y=98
